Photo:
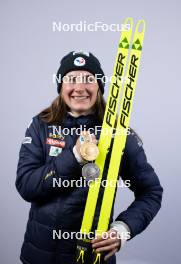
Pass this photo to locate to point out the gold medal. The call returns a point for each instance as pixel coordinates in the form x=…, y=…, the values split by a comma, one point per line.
x=89, y=151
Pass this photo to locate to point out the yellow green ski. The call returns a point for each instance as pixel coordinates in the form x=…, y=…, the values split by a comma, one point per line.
x=116, y=87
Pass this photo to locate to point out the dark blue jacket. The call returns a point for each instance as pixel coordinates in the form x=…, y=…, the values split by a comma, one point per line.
x=60, y=208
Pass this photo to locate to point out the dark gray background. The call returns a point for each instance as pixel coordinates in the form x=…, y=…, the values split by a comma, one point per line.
x=30, y=53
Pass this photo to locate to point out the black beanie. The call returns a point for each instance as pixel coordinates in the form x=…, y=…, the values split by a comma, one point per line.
x=80, y=61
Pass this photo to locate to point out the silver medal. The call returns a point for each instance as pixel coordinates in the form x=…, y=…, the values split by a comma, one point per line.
x=90, y=171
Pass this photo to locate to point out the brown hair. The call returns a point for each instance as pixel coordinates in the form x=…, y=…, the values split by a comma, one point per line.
x=56, y=112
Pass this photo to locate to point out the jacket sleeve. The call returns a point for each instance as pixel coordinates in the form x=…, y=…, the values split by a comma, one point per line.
x=144, y=183
x=34, y=180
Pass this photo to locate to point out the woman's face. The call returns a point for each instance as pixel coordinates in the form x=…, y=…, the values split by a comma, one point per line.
x=79, y=91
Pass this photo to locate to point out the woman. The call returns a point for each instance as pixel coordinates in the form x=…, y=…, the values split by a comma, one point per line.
x=48, y=156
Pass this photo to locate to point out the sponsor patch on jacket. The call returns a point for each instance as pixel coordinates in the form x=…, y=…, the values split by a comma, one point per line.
x=27, y=140
x=56, y=136
x=55, y=132
x=55, y=142
x=55, y=151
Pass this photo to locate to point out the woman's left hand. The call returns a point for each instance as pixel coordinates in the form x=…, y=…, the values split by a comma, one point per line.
x=110, y=243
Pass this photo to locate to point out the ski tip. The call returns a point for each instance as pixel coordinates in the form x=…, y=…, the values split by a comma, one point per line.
x=140, y=26
x=129, y=20
x=139, y=35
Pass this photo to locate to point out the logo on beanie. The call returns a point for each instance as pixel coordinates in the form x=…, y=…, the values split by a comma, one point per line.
x=79, y=61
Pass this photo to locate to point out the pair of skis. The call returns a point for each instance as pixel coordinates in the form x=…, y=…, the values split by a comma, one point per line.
x=126, y=65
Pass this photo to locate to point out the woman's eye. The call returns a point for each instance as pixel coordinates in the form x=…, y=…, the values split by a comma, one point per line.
x=79, y=79
x=71, y=79
x=67, y=79
x=90, y=79
x=74, y=80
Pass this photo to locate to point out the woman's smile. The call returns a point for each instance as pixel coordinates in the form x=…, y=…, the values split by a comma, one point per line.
x=80, y=98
